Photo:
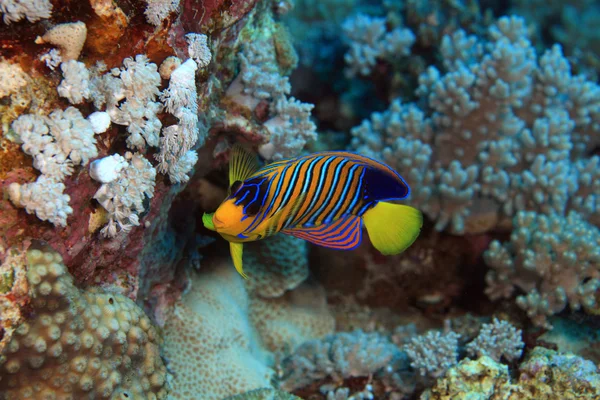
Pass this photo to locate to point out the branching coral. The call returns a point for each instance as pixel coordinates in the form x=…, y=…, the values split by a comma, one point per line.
x=433, y=353
x=369, y=41
x=340, y=356
x=259, y=77
x=500, y=131
x=289, y=129
x=80, y=344
x=498, y=340
x=554, y=260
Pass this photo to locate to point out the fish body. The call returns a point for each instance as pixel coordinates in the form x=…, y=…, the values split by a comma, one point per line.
x=323, y=198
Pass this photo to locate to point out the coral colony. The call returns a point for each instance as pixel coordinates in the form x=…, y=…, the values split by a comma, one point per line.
x=117, y=124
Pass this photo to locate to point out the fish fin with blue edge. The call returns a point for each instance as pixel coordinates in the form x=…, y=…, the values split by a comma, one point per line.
x=380, y=185
x=207, y=220
x=242, y=164
x=343, y=234
x=392, y=228
x=237, y=250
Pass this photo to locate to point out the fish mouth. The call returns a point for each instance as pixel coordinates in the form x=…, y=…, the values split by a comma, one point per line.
x=217, y=221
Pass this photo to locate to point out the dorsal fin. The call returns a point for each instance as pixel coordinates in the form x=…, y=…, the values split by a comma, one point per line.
x=242, y=164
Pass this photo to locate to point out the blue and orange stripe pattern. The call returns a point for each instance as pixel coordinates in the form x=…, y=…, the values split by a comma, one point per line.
x=319, y=197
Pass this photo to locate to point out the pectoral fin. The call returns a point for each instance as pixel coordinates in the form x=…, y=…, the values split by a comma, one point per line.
x=237, y=249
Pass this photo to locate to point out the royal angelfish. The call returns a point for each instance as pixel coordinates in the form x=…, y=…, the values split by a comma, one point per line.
x=323, y=198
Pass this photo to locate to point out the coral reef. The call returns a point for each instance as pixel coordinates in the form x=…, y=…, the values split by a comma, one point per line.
x=79, y=344
x=117, y=120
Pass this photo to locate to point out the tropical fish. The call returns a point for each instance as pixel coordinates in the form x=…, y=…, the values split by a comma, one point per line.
x=323, y=198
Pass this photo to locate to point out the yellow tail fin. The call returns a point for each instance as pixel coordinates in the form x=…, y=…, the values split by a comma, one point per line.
x=237, y=249
x=392, y=227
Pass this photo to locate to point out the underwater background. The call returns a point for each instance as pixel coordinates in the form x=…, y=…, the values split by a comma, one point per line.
x=117, y=123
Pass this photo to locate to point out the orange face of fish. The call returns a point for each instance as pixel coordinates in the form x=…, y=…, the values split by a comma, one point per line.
x=229, y=220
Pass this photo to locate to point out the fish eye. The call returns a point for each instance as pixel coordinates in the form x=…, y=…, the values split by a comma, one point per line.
x=236, y=186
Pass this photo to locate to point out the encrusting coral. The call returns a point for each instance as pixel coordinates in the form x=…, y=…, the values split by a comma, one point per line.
x=210, y=345
x=285, y=308
x=276, y=265
x=79, y=344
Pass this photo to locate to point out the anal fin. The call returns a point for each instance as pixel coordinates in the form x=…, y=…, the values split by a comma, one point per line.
x=343, y=234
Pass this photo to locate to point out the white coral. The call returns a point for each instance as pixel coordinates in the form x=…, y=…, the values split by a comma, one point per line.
x=107, y=169
x=52, y=58
x=57, y=142
x=198, y=48
x=158, y=10
x=12, y=78
x=290, y=128
x=130, y=97
x=178, y=172
x=259, y=77
x=433, y=353
x=369, y=41
x=123, y=197
x=33, y=10
x=45, y=197
x=177, y=140
x=75, y=86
